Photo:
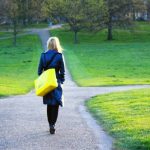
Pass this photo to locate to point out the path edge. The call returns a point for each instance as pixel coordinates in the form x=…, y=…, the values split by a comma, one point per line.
x=105, y=141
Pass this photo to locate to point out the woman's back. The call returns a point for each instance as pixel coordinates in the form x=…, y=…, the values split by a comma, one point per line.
x=53, y=59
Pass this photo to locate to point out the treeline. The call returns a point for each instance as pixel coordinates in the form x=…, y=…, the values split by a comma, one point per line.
x=16, y=13
x=96, y=14
x=23, y=11
x=91, y=15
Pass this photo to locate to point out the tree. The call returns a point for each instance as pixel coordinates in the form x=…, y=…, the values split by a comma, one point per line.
x=148, y=8
x=12, y=12
x=119, y=13
x=70, y=11
x=19, y=12
x=2, y=10
x=34, y=10
x=116, y=12
x=75, y=17
x=113, y=14
x=136, y=7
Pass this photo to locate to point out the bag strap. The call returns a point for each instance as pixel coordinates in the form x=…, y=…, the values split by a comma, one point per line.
x=49, y=62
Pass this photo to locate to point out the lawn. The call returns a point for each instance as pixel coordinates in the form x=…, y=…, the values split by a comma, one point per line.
x=33, y=25
x=98, y=62
x=125, y=116
x=142, y=26
x=37, y=25
x=5, y=34
x=18, y=64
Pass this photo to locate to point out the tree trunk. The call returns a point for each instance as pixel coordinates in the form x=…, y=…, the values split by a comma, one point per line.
x=14, y=31
x=134, y=17
x=24, y=21
x=75, y=37
x=110, y=36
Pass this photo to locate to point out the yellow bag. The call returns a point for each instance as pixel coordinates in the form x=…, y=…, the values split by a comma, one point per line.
x=46, y=82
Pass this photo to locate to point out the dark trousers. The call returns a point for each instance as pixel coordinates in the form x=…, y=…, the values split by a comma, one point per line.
x=52, y=114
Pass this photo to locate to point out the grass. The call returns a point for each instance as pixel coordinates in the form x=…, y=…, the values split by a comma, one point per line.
x=18, y=64
x=97, y=62
x=125, y=116
x=9, y=34
x=142, y=26
x=5, y=34
x=33, y=25
x=37, y=25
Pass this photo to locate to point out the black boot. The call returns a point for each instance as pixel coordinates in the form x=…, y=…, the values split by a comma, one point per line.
x=52, y=129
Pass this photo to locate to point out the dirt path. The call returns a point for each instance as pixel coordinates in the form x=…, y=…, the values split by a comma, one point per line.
x=24, y=124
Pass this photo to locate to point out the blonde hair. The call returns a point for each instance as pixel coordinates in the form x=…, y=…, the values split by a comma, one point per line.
x=53, y=43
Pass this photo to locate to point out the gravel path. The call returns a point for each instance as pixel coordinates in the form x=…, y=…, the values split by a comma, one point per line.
x=31, y=31
x=24, y=124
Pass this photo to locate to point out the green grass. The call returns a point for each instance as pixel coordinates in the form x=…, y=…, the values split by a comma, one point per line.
x=33, y=25
x=142, y=26
x=18, y=64
x=125, y=116
x=9, y=34
x=4, y=34
x=39, y=25
x=98, y=62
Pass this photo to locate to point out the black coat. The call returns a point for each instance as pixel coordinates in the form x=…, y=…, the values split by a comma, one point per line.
x=54, y=97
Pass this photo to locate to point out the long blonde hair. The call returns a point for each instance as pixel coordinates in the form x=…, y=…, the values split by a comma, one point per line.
x=54, y=44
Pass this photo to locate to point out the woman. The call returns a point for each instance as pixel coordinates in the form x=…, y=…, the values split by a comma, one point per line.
x=53, y=58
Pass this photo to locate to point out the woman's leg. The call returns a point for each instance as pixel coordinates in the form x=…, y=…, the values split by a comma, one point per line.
x=49, y=114
x=52, y=114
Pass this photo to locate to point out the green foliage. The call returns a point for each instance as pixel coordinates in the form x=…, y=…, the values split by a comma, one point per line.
x=76, y=13
x=96, y=62
x=18, y=64
x=126, y=116
x=95, y=14
x=119, y=13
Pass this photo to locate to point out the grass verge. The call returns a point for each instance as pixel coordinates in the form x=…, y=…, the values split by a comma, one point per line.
x=126, y=116
x=18, y=64
x=97, y=62
x=37, y=25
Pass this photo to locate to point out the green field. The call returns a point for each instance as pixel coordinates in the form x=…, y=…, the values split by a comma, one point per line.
x=98, y=62
x=37, y=25
x=125, y=116
x=18, y=64
x=92, y=62
x=33, y=25
x=4, y=34
x=142, y=26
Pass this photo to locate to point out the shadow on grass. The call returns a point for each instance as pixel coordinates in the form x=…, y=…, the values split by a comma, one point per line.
x=3, y=96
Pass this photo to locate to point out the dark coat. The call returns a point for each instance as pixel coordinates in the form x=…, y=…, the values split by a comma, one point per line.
x=54, y=97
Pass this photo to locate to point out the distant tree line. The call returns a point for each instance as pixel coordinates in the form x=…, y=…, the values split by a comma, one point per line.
x=90, y=15
x=96, y=14
x=20, y=12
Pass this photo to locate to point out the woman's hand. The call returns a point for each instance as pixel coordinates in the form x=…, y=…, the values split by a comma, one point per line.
x=62, y=86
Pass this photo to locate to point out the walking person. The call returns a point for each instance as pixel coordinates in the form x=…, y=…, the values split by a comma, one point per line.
x=54, y=98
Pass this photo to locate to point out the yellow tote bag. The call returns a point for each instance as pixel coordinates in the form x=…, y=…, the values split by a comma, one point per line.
x=46, y=82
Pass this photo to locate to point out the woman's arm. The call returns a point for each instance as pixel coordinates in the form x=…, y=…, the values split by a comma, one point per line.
x=40, y=67
x=62, y=70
